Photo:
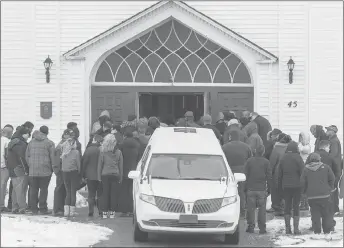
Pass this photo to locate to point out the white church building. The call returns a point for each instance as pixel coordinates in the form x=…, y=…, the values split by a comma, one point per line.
x=162, y=58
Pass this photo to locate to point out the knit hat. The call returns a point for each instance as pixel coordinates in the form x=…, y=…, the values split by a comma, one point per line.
x=233, y=121
x=332, y=128
x=207, y=119
x=44, y=129
x=314, y=157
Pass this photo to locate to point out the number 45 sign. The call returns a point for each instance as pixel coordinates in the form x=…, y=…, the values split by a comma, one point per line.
x=292, y=104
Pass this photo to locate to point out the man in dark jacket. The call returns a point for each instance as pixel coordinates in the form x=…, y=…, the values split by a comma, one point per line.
x=40, y=158
x=89, y=170
x=60, y=190
x=130, y=151
x=319, y=135
x=18, y=169
x=323, y=151
x=220, y=123
x=336, y=154
x=142, y=138
x=271, y=140
x=258, y=183
x=234, y=125
x=263, y=125
x=319, y=194
x=207, y=120
x=237, y=153
x=291, y=168
x=29, y=126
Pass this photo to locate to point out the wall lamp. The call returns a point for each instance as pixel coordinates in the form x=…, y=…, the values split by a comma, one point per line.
x=47, y=65
x=291, y=65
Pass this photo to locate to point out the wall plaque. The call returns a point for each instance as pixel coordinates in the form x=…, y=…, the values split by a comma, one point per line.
x=46, y=110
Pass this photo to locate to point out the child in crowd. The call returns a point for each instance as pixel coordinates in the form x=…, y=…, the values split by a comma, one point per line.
x=258, y=181
x=110, y=174
x=71, y=174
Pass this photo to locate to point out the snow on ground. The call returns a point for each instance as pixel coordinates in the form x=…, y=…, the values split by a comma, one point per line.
x=47, y=231
x=308, y=239
x=80, y=200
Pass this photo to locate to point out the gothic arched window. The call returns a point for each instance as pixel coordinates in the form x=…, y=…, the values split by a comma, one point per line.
x=173, y=52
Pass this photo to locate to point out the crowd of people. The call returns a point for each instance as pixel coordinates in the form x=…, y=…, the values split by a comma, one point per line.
x=296, y=177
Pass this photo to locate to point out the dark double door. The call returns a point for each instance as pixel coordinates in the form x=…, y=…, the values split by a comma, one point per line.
x=168, y=106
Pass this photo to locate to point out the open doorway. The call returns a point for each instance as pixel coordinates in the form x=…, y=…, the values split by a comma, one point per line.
x=169, y=107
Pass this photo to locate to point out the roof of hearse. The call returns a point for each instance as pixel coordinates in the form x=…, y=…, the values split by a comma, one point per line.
x=167, y=140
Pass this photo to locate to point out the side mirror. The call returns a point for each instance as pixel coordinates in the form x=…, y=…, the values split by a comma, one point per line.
x=134, y=174
x=239, y=177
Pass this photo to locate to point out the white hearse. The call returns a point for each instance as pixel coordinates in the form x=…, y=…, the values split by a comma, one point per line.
x=183, y=184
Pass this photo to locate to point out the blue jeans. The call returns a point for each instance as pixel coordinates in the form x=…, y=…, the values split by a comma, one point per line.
x=71, y=181
x=256, y=199
x=20, y=185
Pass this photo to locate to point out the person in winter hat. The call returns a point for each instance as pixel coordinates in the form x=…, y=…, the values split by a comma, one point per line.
x=323, y=151
x=129, y=125
x=234, y=124
x=110, y=174
x=153, y=123
x=190, y=119
x=18, y=169
x=291, y=168
x=263, y=126
x=130, y=151
x=319, y=135
x=237, y=153
x=271, y=140
x=89, y=169
x=40, y=156
x=253, y=138
x=336, y=154
x=101, y=120
x=277, y=153
x=258, y=183
x=71, y=167
x=317, y=181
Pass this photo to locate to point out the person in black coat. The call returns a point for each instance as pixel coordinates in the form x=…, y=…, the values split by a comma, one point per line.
x=264, y=126
x=18, y=169
x=130, y=151
x=290, y=170
x=207, y=120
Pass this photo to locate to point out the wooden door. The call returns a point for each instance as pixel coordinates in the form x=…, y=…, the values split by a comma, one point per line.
x=119, y=104
x=232, y=101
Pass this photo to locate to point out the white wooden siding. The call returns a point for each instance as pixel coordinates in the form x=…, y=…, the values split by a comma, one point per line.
x=326, y=65
x=31, y=31
x=17, y=57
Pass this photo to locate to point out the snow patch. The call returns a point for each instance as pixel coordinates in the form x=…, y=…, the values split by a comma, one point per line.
x=308, y=238
x=80, y=200
x=47, y=231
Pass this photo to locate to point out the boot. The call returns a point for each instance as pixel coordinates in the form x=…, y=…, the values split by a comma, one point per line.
x=72, y=211
x=66, y=211
x=250, y=229
x=296, y=222
x=287, y=224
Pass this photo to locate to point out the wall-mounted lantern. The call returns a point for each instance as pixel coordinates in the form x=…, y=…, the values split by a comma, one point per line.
x=47, y=65
x=291, y=65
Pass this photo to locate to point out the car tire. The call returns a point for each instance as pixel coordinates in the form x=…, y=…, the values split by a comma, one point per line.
x=139, y=236
x=233, y=239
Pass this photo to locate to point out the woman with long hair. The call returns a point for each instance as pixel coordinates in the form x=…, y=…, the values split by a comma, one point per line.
x=71, y=166
x=110, y=174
